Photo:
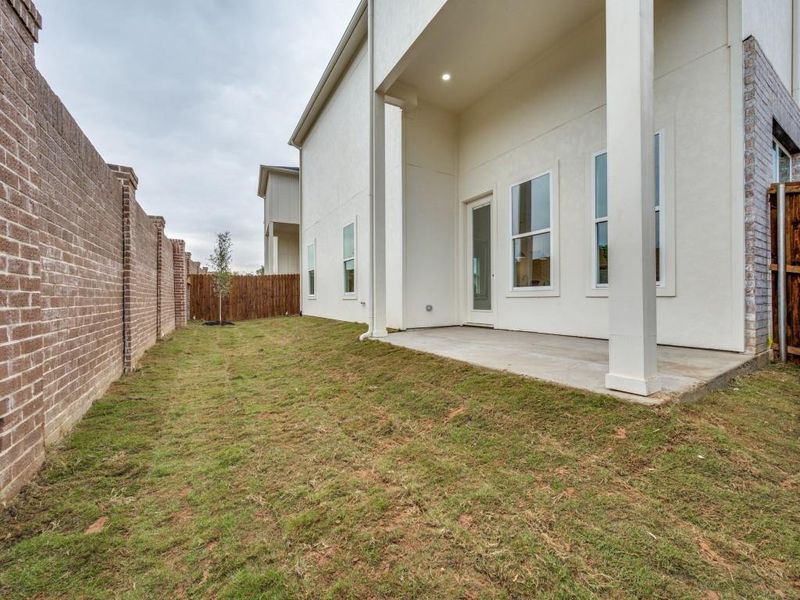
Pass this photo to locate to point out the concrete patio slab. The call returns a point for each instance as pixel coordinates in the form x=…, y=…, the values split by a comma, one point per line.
x=686, y=373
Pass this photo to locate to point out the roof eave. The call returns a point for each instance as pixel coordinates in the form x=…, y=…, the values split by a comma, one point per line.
x=264, y=172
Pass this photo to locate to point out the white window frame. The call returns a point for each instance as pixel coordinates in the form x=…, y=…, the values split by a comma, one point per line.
x=595, y=220
x=345, y=294
x=660, y=209
x=553, y=230
x=776, y=148
x=665, y=286
x=311, y=294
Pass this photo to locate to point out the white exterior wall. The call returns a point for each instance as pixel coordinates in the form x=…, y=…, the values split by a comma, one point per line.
x=335, y=187
x=397, y=25
x=394, y=218
x=770, y=22
x=288, y=253
x=283, y=198
x=551, y=116
x=430, y=217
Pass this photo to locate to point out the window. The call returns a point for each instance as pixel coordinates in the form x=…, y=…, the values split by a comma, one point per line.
x=312, y=267
x=601, y=219
x=781, y=163
x=349, y=256
x=531, y=237
x=659, y=219
x=600, y=215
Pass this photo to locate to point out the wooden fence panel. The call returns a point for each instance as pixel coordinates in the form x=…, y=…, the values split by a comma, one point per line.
x=250, y=297
x=792, y=268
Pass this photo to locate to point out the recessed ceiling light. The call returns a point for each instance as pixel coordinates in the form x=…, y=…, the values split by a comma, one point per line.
x=445, y=76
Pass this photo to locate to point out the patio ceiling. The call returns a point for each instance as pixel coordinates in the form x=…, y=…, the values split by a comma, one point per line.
x=480, y=44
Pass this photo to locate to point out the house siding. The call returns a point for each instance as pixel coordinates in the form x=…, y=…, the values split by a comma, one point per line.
x=767, y=102
x=335, y=190
x=551, y=116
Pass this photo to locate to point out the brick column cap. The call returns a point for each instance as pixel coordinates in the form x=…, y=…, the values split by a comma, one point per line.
x=30, y=17
x=158, y=221
x=125, y=174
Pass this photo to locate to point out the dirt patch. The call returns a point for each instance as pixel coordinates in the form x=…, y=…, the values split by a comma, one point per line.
x=454, y=413
x=97, y=526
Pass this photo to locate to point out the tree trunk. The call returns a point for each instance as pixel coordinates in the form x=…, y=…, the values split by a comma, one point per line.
x=220, y=308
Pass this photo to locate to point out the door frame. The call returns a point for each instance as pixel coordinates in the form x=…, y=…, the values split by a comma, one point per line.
x=482, y=318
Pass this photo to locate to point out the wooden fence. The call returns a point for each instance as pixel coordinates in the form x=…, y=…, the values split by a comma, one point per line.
x=251, y=297
x=792, y=268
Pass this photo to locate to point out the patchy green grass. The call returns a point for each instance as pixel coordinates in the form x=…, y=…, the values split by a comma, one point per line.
x=284, y=459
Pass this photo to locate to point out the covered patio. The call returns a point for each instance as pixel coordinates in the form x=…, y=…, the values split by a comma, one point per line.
x=686, y=373
x=494, y=192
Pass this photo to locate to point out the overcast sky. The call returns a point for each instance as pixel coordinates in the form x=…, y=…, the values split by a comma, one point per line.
x=194, y=95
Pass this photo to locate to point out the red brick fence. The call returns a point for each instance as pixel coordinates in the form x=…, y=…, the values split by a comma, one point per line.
x=88, y=281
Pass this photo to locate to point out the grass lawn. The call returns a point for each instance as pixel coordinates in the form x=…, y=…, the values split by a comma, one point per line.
x=284, y=459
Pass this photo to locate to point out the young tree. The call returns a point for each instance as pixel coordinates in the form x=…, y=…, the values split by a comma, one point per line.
x=220, y=260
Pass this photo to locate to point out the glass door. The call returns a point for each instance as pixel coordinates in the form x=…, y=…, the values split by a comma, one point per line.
x=479, y=262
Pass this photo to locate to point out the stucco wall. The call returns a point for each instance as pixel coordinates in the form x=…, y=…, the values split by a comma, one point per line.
x=770, y=22
x=394, y=217
x=335, y=193
x=551, y=116
x=430, y=217
x=288, y=251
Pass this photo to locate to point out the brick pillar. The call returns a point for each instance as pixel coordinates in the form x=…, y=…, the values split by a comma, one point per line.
x=21, y=353
x=159, y=225
x=129, y=183
x=188, y=286
x=179, y=262
x=769, y=111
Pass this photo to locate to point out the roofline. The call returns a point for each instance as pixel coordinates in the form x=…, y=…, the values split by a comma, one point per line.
x=350, y=43
x=265, y=170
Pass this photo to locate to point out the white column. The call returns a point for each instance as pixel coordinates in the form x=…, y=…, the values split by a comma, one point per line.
x=269, y=259
x=631, y=192
x=379, y=215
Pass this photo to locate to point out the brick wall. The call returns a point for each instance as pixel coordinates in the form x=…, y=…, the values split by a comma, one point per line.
x=80, y=237
x=140, y=242
x=80, y=262
x=166, y=285
x=180, y=290
x=769, y=111
x=21, y=354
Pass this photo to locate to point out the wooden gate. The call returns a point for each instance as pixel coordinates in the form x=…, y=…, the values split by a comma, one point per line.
x=251, y=297
x=792, y=267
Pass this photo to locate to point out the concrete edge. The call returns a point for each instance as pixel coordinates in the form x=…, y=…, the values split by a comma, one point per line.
x=693, y=394
x=700, y=391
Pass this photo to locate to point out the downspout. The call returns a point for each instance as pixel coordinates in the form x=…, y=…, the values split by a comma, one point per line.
x=781, y=224
x=300, y=237
x=371, y=50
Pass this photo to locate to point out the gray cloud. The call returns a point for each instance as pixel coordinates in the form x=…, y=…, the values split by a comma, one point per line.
x=194, y=95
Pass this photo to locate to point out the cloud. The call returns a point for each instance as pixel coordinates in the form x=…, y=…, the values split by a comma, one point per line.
x=194, y=95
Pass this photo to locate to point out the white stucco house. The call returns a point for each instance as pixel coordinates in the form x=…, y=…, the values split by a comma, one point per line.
x=279, y=189
x=588, y=168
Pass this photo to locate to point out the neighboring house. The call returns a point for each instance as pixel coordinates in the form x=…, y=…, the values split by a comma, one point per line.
x=575, y=167
x=279, y=187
